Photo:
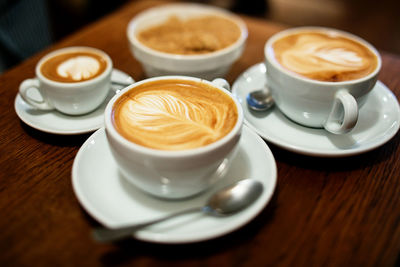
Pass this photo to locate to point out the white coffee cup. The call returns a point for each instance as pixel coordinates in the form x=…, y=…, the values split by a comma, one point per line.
x=72, y=98
x=313, y=103
x=178, y=173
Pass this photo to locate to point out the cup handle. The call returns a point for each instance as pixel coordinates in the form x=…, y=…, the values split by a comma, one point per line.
x=344, y=114
x=222, y=83
x=23, y=91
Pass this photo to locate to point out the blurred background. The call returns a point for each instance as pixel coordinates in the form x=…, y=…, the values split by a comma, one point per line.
x=28, y=26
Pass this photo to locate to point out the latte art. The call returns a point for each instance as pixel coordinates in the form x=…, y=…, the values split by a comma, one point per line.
x=171, y=115
x=324, y=57
x=75, y=66
x=79, y=68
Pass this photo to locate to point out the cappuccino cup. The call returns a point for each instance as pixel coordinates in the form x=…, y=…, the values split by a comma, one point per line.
x=174, y=136
x=73, y=80
x=320, y=77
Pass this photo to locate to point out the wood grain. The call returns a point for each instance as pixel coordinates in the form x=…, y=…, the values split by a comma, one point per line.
x=325, y=212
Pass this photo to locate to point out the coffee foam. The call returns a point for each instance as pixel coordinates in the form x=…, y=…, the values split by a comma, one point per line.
x=174, y=115
x=74, y=66
x=197, y=35
x=325, y=57
x=79, y=68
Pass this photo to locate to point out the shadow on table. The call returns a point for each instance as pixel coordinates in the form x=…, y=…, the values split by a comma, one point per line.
x=127, y=250
x=55, y=139
x=336, y=164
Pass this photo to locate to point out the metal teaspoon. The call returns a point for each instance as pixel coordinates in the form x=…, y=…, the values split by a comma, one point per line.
x=226, y=201
x=260, y=100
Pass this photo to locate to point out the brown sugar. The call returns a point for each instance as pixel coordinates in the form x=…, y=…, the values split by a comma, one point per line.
x=193, y=36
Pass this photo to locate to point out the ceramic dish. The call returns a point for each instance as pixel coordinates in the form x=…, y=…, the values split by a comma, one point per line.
x=208, y=66
x=114, y=202
x=55, y=122
x=379, y=121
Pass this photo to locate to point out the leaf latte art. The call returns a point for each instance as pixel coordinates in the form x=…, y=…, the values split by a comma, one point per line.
x=172, y=115
x=324, y=57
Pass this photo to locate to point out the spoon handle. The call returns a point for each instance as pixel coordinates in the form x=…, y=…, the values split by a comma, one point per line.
x=103, y=234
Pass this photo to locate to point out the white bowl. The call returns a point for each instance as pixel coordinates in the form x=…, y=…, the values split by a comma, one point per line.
x=207, y=66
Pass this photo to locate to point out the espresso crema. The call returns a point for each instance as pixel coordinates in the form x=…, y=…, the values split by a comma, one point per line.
x=324, y=56
x=73, y=67
x=174, y=114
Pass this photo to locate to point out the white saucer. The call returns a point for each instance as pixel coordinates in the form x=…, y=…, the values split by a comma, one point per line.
x=378, y=122
x=57, y=123
x=112, y=201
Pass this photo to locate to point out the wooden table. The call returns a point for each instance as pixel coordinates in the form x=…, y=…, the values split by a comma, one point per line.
x=325, y=211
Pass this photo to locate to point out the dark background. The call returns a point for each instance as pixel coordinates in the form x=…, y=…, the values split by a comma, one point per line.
x=28, y=26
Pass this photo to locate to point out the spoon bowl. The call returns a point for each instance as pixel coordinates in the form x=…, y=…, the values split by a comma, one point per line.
x=227, y=201
x=260, y=100
x=234, y=198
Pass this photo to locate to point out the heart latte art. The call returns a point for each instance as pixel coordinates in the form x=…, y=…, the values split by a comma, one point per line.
x=174, y=114
x=325, y=57
x=74, y=66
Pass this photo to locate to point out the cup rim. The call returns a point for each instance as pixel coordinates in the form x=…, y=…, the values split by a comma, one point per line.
x=110, y=129
x=134, y=22
x=106, y=72
x=268, y=57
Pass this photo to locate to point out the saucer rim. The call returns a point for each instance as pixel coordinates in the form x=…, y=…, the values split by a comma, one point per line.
x=83, y=130
x=313, y=152
x=270, y=184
